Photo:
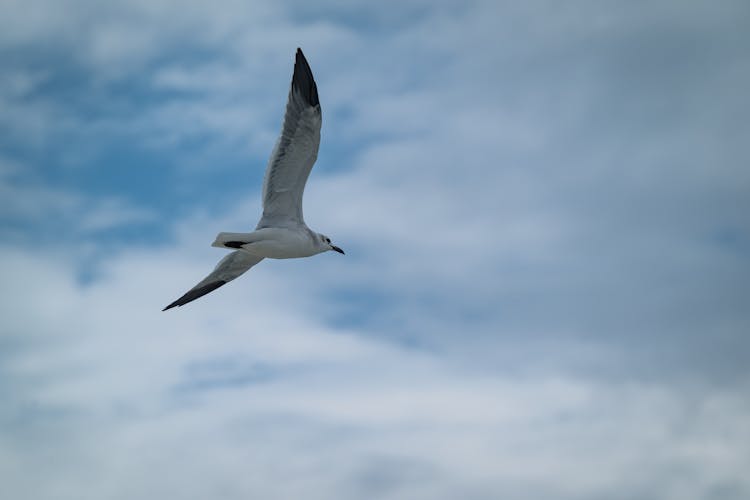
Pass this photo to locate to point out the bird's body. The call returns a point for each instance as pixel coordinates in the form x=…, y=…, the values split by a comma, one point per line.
x=275, y=242
x=281, y=232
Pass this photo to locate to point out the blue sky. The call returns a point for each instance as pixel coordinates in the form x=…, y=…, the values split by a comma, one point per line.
x=543, y=204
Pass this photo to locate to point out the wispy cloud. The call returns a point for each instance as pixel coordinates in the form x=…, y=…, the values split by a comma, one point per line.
x=129, y=380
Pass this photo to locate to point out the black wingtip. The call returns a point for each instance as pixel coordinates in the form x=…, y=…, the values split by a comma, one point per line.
x=303, y=79
x=195, y=293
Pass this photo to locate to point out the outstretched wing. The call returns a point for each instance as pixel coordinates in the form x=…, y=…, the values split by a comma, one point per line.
x=295, y=152
x=228, y=268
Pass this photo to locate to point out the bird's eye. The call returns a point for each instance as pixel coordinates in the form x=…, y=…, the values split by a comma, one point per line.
x=328, y=240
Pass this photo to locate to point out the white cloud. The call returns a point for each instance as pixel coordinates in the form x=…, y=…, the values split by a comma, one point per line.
x=100, y=377
x=543, y=307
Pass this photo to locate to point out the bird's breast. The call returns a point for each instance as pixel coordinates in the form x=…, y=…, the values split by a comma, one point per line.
x=278, y=243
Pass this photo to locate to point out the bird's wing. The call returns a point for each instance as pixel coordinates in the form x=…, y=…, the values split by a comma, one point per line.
x=228, y=268
x=295, y=152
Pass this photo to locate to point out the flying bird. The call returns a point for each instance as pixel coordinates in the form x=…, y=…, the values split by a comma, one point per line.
x=281, y=232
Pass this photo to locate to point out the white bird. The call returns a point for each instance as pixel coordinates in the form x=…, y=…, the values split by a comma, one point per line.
x=281, y=232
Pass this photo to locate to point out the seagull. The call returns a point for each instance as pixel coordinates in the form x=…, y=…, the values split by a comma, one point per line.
x=281, y=232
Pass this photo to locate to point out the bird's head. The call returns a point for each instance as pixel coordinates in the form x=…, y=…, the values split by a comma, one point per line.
x=325, y=242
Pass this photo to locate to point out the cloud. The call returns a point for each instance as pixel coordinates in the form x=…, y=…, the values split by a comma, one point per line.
x=237, y=385
x=545, y=281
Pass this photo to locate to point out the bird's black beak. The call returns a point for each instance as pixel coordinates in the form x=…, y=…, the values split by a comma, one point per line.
x=337, y=249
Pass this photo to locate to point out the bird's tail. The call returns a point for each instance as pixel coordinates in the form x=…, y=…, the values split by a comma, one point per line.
x=232, y=240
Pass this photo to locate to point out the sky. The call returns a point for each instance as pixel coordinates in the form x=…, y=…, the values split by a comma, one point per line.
x=546, y=291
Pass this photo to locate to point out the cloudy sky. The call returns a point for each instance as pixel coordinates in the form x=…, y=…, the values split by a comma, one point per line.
x=544, y=204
